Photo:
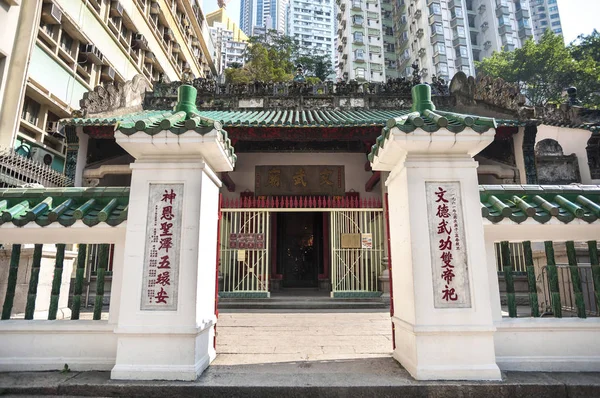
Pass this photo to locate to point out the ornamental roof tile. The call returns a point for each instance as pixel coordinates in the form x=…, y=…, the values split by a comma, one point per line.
x=540, y=202
x=44, y=206
x=517, y=203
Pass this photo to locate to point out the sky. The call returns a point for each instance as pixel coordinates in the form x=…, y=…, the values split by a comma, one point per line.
x=577, y=16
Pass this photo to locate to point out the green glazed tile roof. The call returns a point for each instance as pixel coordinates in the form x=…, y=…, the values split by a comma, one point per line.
x=519, y=203
x=44, y=206
x=151, y=120
x=432, y=121
x=304, y=118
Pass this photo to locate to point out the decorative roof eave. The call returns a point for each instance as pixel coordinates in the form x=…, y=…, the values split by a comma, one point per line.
x=395, y=143
x=214, y=147
x=63, y=206
x=518, y=204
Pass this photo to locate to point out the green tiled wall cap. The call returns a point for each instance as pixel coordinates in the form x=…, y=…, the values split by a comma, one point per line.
x=186, y=99
x=421, y=96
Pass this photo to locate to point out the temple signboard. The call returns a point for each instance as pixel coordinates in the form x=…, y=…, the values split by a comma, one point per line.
x=299, y=180
x=161, y=255
x=448, y=246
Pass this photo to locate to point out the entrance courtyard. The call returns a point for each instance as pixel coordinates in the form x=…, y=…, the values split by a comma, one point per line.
x=274, y=336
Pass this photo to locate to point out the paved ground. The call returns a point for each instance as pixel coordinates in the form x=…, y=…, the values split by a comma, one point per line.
x=279, y=353
x=252, y=337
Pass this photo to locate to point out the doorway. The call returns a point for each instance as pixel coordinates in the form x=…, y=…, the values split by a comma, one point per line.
x=300, y=248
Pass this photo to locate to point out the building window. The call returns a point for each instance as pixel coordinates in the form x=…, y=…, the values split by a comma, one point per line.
x=437, y=28
x=553, y=16
x=435, y=9
x=456, y=12
x=359, y=73
x=523, y=23
x=358, y=37
x=558, y=31
x=503, y=21
x=544, y=23
x=31, y=111
x=357, y=20
x=460, y=31
x=359, y=55
x=441, y=48
x=461, y=51
x=66, y=42
x=556, y=23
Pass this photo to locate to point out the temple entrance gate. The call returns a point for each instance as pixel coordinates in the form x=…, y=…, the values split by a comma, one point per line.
x=356, y=252
x=301, y=242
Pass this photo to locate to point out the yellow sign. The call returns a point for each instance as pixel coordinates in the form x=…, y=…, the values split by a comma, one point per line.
x=241, y=255
x=350, y=241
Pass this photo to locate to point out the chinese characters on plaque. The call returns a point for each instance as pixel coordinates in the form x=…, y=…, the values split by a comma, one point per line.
x=448, y=246
x=161, y=256
x=299, y=180
x=246, y=241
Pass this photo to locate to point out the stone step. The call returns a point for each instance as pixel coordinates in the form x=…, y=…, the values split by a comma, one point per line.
x=347, y=378
x=303, y=302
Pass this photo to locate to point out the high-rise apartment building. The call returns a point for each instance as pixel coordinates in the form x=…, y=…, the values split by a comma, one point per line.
x=361, y=40
x=258, y=16
x=228, y=38
x=447, y=36
x=311, y=25
x=57, y=50
x=545, y=15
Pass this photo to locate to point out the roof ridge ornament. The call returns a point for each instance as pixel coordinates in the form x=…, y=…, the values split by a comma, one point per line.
x=186, y=100
x=421, y=96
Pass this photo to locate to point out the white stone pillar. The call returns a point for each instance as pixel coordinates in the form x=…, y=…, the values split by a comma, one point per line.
x=170, y=345
x=166, y=314
x=443, y=327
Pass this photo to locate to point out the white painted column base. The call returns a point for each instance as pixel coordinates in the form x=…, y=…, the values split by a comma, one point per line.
x=183, y=355
x=434, y=353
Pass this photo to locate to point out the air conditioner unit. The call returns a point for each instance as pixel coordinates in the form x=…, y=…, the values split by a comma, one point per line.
x=487, y=44
x=108, y=73
x=422, y=52
x=116, y=9
x=482, y=8
x=52, y=14
x=42, y=156
x=140, y=41
x=92, y=53
x=484, y=26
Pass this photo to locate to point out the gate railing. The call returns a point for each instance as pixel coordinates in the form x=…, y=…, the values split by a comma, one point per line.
x=244, y=257
x=356, y=252
x=559, y=290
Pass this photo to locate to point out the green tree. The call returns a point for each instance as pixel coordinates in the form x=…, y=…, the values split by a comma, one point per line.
x=545, y=69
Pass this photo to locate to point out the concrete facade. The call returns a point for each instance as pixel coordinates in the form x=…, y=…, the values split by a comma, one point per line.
x=447, y=36
x=66, y=48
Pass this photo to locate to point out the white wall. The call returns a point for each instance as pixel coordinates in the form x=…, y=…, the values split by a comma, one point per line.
x=548, y=344
x=571, y=140
x=49, y=345
x=354, y=169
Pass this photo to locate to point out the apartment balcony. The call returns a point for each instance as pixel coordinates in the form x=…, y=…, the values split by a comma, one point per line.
x=457, y=21
x=461, y=61
x=504, y=29
x=17, y=171
x=435, y=18
x=356, y=5
x=437, y=58
x=523, y=13
x=459, y=41
x=524, y=32
x=501, y=8
x=437, y=38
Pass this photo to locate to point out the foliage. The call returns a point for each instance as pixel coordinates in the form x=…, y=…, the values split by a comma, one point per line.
x=545, y=69
x=273, y=57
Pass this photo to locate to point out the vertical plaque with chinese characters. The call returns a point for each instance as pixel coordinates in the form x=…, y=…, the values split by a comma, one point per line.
x=161, y=255
x=448, y=246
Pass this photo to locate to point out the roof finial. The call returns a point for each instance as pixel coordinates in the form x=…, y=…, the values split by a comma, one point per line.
x=421, y=96
x=186, y=99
